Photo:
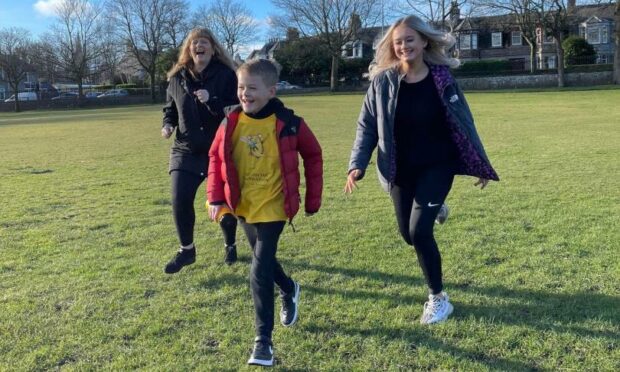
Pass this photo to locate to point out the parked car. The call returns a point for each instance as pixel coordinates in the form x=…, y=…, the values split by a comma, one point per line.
x=92, y=94
x=65, y=96
x=285, y=85
x=23, y=96
x=114, y=93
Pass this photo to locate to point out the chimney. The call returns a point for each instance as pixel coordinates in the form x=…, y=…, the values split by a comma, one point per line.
x=571, y=4
x=455, y=13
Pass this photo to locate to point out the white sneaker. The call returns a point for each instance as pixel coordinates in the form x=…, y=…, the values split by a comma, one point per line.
x=436, y=309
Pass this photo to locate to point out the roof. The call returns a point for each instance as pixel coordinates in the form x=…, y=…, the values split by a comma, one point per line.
x=603, y=11
x=579, y=14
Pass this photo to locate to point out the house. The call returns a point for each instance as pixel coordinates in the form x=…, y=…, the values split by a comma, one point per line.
x=266, y=52
x=595, y=23
x=28, y=84
x=499, y=38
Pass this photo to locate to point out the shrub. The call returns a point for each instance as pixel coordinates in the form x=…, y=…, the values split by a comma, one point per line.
x=577, y=51
x=126, y=86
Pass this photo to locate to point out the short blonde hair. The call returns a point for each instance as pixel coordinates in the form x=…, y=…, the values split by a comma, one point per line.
x=435, y=52
x=264, y=68
x=185, y=58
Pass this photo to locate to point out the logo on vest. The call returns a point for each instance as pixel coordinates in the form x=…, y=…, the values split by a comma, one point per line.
x=255, y=145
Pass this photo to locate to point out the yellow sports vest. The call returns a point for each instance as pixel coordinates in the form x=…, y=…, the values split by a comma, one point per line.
x=257, y=159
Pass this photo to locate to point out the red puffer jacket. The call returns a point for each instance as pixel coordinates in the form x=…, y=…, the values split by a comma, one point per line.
x=294, y=137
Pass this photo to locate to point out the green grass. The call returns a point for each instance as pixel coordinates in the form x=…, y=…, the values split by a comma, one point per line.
x=531, y=263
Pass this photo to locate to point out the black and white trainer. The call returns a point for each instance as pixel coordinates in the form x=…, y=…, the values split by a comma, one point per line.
x=183, y=258
x=230, y=256
x=262, y=355
x=290, y=306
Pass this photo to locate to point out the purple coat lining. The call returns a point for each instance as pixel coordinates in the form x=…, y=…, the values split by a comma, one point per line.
x=470, y=161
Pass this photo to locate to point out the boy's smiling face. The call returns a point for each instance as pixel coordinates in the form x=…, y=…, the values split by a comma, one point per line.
x=253, y=93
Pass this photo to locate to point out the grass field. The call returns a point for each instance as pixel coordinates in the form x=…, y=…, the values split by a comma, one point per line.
x=531, y=263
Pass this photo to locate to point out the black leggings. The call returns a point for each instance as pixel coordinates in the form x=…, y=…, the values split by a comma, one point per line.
x=417, y=200
x=184, y=187
x=263, y=238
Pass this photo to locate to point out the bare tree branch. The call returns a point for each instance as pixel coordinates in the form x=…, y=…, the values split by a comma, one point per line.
x=15, y=45
x=330, y=21
x=143, y=25
x=231, y=22
x=76, y=39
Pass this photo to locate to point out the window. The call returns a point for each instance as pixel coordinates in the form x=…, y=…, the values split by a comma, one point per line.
x=604, y=35
x=602, y=58
x=594, y=35
x=496, y=39
x=516, y=38
x=551, y=62
x=548, y=39
x=352, y=50
x=468, y=41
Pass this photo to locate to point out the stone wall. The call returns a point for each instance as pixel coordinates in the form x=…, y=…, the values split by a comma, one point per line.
x=574, y=79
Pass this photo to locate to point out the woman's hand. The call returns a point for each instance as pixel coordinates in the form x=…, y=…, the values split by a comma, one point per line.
x=352, y=181
x=214, y=210
x=166, y=131
x=202, y=95
x=482, y=182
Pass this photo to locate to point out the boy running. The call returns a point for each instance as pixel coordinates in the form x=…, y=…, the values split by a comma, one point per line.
x=254, y=171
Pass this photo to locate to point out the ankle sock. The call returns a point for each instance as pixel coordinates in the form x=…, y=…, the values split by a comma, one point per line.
x=187, y=247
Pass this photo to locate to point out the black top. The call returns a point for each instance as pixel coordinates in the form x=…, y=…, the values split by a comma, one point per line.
x=196, y=122
x=420, y=130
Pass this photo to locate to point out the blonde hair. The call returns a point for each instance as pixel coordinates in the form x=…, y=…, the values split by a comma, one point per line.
x=434, y=52
x=263, y=68
x=185, y=58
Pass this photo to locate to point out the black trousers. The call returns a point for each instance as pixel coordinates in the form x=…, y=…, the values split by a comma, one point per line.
x=265, y=271
x=417, y=197
x=184, y=187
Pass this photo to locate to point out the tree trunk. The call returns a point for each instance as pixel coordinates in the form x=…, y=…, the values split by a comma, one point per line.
x=16, y=90
x=617, y=53
x=560, y=60
x=532, y=58
x=333, y=84
x=152, y=76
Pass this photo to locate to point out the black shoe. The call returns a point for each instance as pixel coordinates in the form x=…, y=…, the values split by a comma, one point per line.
x=231, y=254
x=262, y=355
x=183, y=257
x=290, y=306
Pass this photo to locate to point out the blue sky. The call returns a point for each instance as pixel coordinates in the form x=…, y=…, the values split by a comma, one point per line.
x=36, y=16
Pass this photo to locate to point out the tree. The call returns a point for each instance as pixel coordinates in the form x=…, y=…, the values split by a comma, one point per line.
x=112, y=50
x=177, y=26
x=15, y=45
x=142, y=24
x=553, y=16
x=525, y=18
x=75, y=39
x=231, y=22
x=577, y=51
x=437, y=12
x=617, y=53
x=303, y=60
x=330, y=21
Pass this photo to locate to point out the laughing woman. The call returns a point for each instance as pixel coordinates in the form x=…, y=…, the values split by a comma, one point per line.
x=417, y=115
x=201, y=83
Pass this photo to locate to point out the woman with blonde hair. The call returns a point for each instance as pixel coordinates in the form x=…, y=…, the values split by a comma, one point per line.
x=417, y=116
x=200, y=84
